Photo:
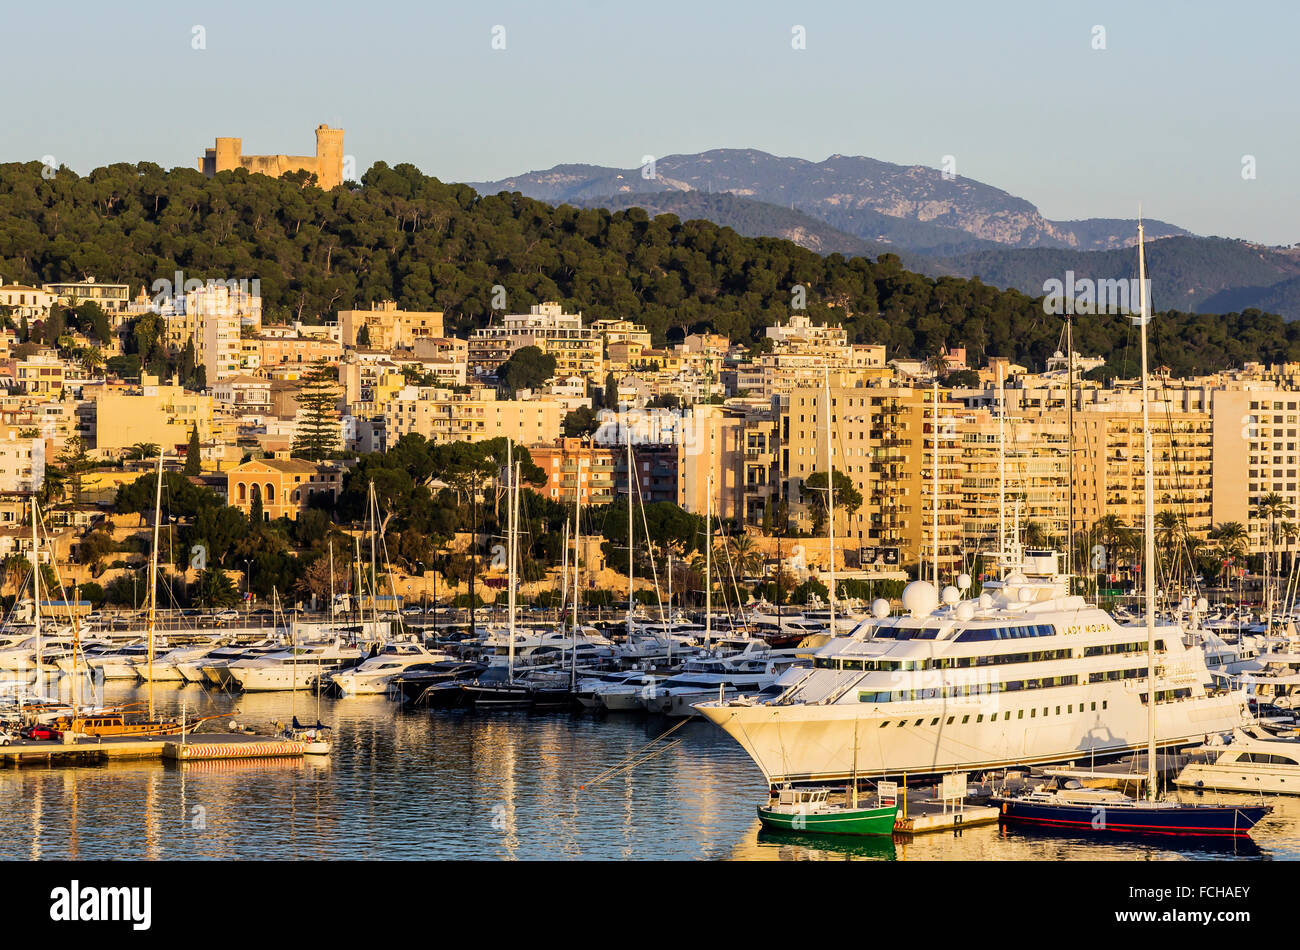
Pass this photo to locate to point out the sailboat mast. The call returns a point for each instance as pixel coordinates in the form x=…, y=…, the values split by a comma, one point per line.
x=1002, y=474
x=708, y=550
x=1148, y=529
x=374, y=564
x=830, y=500
x=36, y=600
x=631, y=474
x=934, y=478
x=153, y=575
x=577, y=534
x=1069, y=454
x=510, y=557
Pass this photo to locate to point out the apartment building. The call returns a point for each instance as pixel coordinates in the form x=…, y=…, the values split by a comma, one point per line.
x=578, y=350
x=891, y=441
x=444, y=415
x=386, y=327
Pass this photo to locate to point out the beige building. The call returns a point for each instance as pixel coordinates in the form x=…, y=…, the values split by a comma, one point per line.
x=1013, y=467
x=1109, y=470
x=886, y=439
x=1256, y=433
x=162, y=414
x=443, y=415
x=326, y=164
x=578, y=350
x=22, y=460
x=286, y=486
x=389, y=328
x=23, y=301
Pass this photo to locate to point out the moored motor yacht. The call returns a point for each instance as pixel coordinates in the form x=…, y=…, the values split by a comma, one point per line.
x=1253, y=761
x=373, y=674
x=299, y=667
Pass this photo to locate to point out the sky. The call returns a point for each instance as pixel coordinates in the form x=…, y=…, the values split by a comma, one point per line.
x=1184, y=98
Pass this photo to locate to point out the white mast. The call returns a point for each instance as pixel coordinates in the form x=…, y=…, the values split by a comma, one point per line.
x=1002, y=473
x=708, y=550
x=36, y=601
x=510, y=557
x=934, y=478
x=153, y=574
x=577, y=534
x=631, y=474
x=1148, y=529
x=830, y=499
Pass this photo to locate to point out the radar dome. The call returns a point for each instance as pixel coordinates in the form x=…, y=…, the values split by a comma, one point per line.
x=920, y=598
x=963, y=582
x=1202, y=604
x=965, y=610
x=951, y=595
x=1026, y=594
x=880, y=608
x=986, y=601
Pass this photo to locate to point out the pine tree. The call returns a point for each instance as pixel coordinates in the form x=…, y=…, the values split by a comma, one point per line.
x=192, y=465
x=318, y=424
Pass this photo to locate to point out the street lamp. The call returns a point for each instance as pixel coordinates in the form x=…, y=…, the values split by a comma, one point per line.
x=248, y=589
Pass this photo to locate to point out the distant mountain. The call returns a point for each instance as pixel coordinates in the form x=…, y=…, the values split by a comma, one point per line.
x=939, y=226
x=911, y=206
x=1210, y=275
x=753, y=219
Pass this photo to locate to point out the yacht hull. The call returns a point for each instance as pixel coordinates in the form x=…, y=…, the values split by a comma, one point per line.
x=1214, y=821
x=814, y=742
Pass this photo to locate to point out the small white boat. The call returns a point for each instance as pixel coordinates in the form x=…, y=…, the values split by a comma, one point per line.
x=1252, y=762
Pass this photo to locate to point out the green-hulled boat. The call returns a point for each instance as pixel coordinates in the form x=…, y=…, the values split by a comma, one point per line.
x=807, y=810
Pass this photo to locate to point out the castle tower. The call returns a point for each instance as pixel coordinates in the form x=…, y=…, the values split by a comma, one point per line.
x=228, y=153
x=329, y=157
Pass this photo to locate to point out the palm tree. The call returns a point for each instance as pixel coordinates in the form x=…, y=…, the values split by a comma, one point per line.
x=1170, y=530
x=1271, y=507
x=1111, y=533
x=141, y=451
x=1290, y=531
x=92, y=360
x=1231, y=542
x=745, y=557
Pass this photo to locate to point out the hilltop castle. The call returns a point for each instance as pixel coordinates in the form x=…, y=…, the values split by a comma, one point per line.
x=327, y=163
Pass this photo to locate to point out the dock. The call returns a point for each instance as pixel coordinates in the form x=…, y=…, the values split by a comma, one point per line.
x=204, y=747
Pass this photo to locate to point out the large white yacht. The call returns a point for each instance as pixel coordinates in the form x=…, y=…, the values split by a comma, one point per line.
x=1026, y=673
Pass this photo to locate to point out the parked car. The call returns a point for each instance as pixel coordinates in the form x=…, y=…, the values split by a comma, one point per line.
x=226, y=616
x=40, y=732
x=5, y=738
x=411, y=611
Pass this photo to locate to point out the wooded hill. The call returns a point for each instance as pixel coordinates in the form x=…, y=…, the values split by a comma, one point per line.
x=405, y=236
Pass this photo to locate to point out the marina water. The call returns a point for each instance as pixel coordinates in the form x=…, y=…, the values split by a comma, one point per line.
x=459, y=784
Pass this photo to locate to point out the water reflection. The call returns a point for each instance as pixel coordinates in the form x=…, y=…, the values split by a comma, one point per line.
x=453, y=784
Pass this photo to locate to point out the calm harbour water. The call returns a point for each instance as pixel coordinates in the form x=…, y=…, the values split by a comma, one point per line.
x=452, y=784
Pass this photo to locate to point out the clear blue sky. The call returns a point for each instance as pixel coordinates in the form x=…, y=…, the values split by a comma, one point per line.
x=1013, y=90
